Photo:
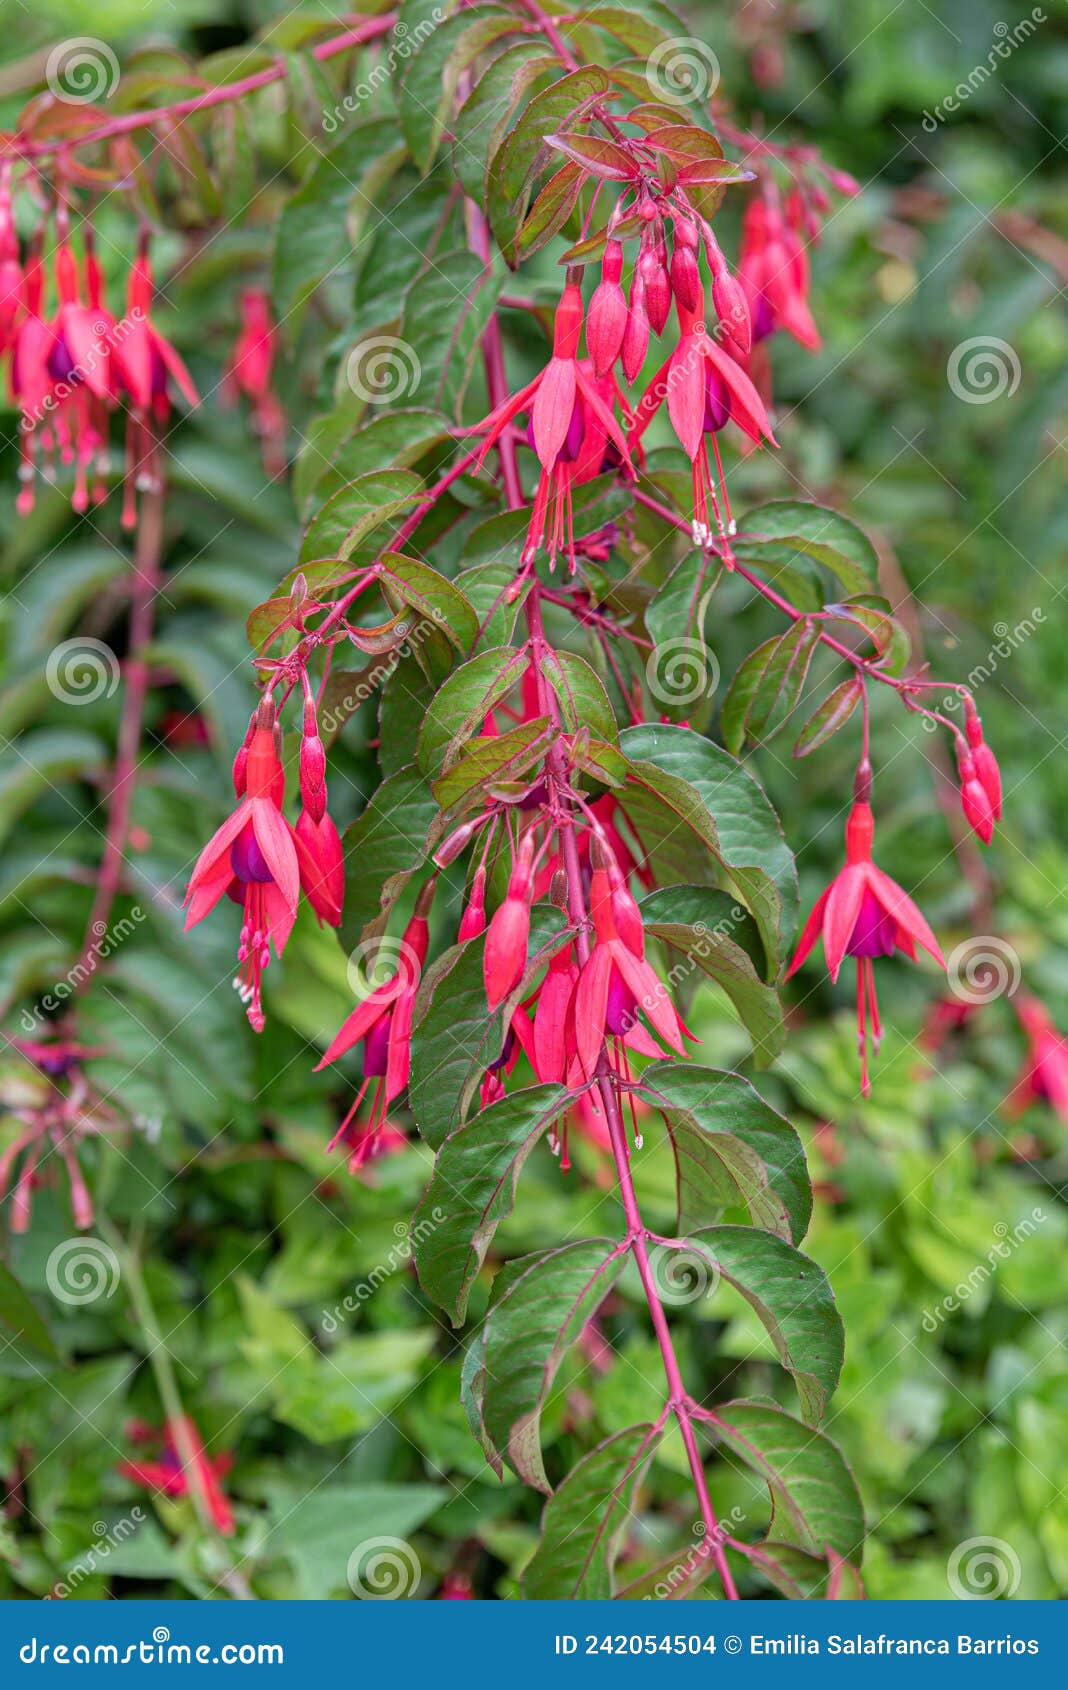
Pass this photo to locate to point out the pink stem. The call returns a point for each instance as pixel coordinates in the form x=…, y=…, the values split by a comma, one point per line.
x=369, y=30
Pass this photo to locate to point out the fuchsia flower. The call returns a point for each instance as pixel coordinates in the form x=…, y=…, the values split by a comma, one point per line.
x=1044, y=1076
x=169, y=1474
x=249, y=372
x=773, y=269
x=383, y=1022
x=565, y=406
x=864, y=914
x=705, y=389
x=146, y=364
x=508, y=934
x=616, y=984
x=259, y=861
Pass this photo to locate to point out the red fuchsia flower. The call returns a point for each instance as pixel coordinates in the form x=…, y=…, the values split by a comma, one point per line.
x=564, y=403
x=1044, y=1076
x=323, y=865
x=456, y=1587
x=606, y=319
x=383, y=1022
x=146, y=364
x=705, y=389
x=508, y=934
x=257, y=859
x=249, y=372
x=864, y=914
x=31, y=379
x=983, y=760
x=79, y=364
x=10, y=263
x=974, y=799
x=773, y=270
x=170, y=1474
x=616, y=985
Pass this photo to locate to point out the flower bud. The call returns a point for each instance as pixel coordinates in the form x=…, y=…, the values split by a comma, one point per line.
x=473, y=920
x=986, y=764
x=732, y=308
x=636, y=333
x=606, y=320
x=653, y=268
x=974, y=801
x=685, y=277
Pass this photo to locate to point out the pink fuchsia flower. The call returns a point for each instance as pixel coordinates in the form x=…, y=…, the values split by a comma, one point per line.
x=383, y=1023
x=256, y=859
x=773, y=270
x=146, y=367
x=616, y=985
x=564, y=404
x=504, y=958
x=984, y=762
x=1044, y=1076
x=170, y=1474
x=705, y=389
x=249, y=372
x=864, y=914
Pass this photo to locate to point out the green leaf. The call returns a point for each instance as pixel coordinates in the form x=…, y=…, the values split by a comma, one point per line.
x=455, y=1037
x=803, y=1577
x=731, y=1148
x=483, y=119
x=434, y=70
x=540, y=1305
x=461, y=705
x=473, y=1189
x=446, y=309
x=318, y=1530
x=384, y=847
x=355, y=511
x=550, y=211
x=767, y=686
x=20, y=1324
x=814, y=1497
x=40, y=761
x=731, y=834
x=339, y=447
x=582, y=1524
x=502, y=757
x=829, y=716
x=511, y=173
x=819, y=533
x=718, y=936
x=581, y=695
x=317, y=230
x=791, y=1297
x=890, y=639
x=434, y=597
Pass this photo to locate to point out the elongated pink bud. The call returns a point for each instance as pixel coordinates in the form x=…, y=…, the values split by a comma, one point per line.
x=322, y=866
x=986, y=764
x=732, y=309
x=473, y=920
x=974, y=801
x=685, y=277
x=606, y=320
x=636, y=333
x=653, y=267
x=505, y=955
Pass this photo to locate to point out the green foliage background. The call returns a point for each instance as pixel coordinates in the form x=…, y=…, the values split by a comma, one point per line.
x=298, y=1333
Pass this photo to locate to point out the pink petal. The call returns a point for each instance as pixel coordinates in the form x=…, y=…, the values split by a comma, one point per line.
x=591, y=1007
x=275, y=840
x=207, y=864
x=899, y=905
x=844, y=897
x=553, y=406
x=686, y=394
